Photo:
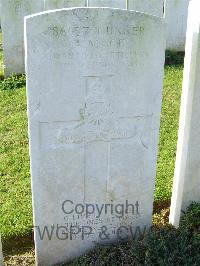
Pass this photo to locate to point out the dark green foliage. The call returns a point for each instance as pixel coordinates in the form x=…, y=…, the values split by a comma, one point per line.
x=191, y=219
x=13, y=82
x=174, y=58
x=118, y=254
x=170, y=246
x=166, y=246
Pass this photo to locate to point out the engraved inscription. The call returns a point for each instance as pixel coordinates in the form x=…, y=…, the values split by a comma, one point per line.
x=84, y=31
x=98, y=120
x=21, y=7
x=112, y=40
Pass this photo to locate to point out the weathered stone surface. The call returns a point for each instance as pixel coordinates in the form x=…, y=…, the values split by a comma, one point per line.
x=94, y=109
x=12, y=24
x=56, y=4
x=176, y=12
x=0, y=14
x=107, y=3
x=152, y=7
x=186, y=185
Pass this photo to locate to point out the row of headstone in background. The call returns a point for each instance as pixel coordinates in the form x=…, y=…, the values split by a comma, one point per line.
x=176, y=12
x=186, y=185
x=12, y=16
x=13, y=12
x=153, y=7
x=0, y=14
x=94, y=110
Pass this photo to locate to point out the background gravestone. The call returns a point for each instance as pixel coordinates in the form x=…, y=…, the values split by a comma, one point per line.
x=56, y=4
x=94, y=111
x=176, y=12
x=107, y=3
x=153, y=7
x=186, y=185
x=12, y=24
x=0, y=14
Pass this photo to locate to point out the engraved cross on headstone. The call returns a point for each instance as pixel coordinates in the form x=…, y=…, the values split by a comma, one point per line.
x=99, y=125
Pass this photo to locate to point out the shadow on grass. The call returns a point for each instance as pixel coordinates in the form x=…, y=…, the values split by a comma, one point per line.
x=160, y=205
x=19, y=250
x=174, y=58
x=15, y=81
x=18, y=245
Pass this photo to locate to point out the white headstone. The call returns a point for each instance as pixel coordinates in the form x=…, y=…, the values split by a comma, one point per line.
x=153, y=7
x=186, y=185
x=176, y=12
x=107, y=3
x=12, y=25
x=94, y=110
x=56, y=4
x=0, y=14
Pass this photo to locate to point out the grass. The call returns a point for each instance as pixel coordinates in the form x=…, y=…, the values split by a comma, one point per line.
x=168, y=131
x=15, y=200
